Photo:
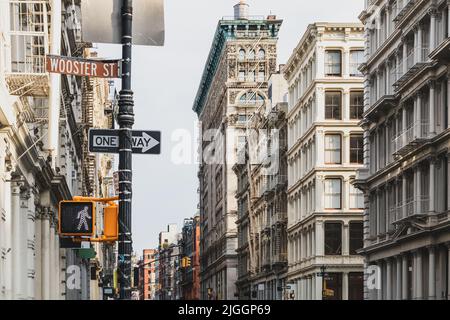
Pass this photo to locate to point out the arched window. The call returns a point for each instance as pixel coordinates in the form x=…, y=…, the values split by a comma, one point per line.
x=241, y=54
x=251, y=54
x=251, y=98
x=261, y=54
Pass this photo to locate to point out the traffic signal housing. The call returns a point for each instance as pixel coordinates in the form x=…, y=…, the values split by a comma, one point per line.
x=185, y=262
x=76, y=218
x=111, y=222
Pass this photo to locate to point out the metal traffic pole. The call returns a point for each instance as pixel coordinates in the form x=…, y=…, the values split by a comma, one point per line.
x=125, y=121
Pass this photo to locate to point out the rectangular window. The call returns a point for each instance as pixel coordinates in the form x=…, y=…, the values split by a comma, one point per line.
x=356, y=105
x=356, y=149
x=333, y=63
x=356, y=286
x=261, y=76
x=356, y=59
x=333, y=238
x=251, y=76
x=242, y=76
x=333, y=149
x=356, y=236
x=356, y=198
x=333, y=105
x=332, y=287
x=332, y=192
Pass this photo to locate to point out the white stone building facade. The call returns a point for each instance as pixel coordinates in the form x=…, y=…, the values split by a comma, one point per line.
x=325, y=149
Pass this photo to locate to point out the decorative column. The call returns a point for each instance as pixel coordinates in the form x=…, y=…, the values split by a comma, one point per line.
x=418, y=116
x=431, y=273
x=448, y=18
x=416, y=43
x=432, y=181
x=17, y=249
x=448, y=271
x=432, y=13
x=388, y=279
x=448, y=96
x=388, y=78
x=38, y=253
x=8, y=240
x=404, y=187
x=380, y=290
x=448, y=182
x=26, y=244
x=320, y=238
x=346, y=237
x=388, y=20
x=345, y=286
x=419, y=280
x=397, y=64
x=45, y=245
x=404, y=138
x=418, y=191
x=420, y=55
x=405, y=277
x=398, y=286
x=432, y=109
x=405, y=56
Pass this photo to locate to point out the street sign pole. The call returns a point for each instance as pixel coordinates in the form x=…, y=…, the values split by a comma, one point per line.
x=126, y=121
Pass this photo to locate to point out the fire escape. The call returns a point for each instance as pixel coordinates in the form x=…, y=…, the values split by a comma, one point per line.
x=29, y=36
x=88, y=121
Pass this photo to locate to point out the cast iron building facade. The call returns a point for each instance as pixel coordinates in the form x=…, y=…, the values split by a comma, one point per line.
x=407, y=130
x=234, y=82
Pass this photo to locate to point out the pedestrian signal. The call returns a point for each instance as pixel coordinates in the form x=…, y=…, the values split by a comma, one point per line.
x=76, y=218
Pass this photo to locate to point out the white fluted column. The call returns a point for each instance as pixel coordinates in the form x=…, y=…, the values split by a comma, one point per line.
x=345, y=286
x=419, y=46
x=418, y=275
x=431, y=273
x=448, y=182
x=432, y=108
x=398, y=286
x=38, y=254
x=405, y=56
x=416, y=44
x=448, y=271
x=448, y=18
x=17, y=253
x=320, y=238
x=388, y=279
x=448, y=99
x=432, y=13
x=432, y=181
x=381, y=275
x=405, y=277
x=404, y=188
x=45, y=245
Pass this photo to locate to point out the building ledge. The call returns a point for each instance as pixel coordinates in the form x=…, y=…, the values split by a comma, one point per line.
x=442, y=52
x=381, y=105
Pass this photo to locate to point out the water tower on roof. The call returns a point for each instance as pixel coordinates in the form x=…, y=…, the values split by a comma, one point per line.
x=241, y=10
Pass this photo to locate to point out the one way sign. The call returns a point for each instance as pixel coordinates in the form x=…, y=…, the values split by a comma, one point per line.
x=107, y=141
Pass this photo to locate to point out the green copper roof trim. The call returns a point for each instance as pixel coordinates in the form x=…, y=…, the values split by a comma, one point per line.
x=220, y=38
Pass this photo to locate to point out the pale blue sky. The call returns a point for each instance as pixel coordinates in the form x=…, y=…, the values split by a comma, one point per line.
x=165, y=81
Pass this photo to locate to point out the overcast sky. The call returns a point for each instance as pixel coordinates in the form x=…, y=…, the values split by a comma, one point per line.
x=165, y=81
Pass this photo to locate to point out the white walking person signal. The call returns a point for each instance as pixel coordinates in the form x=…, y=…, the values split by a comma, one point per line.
x=82, y=215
